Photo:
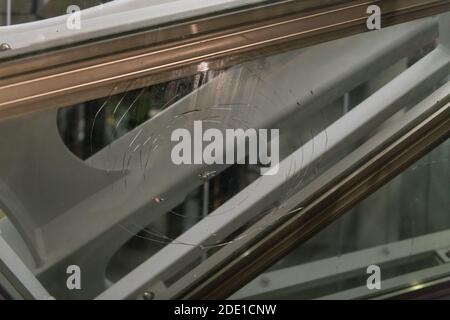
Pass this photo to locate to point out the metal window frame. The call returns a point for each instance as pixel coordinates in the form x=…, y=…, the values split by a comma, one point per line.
x=93, y=70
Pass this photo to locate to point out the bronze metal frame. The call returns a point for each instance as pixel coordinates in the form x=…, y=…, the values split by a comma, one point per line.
x=69, y=76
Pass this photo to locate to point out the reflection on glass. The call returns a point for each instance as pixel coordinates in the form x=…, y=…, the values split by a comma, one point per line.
x=404, y=228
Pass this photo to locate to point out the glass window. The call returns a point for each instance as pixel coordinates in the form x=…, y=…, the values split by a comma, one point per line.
x=403, y=229
x=167, y=173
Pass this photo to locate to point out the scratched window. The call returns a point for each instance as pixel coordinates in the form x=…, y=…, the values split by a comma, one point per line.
x=142, y=186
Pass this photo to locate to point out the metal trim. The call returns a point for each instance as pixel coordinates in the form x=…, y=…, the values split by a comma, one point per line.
x=109, y=66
